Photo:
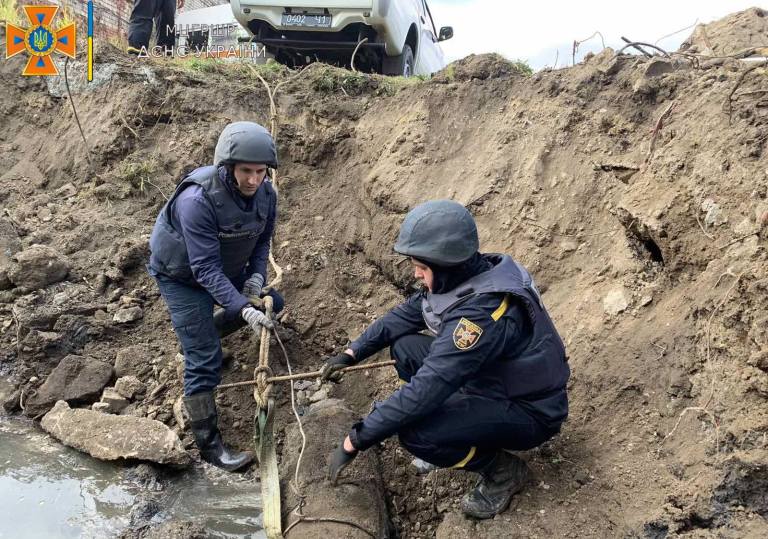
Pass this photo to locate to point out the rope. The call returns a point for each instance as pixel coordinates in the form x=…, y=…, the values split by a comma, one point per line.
x=263, y=388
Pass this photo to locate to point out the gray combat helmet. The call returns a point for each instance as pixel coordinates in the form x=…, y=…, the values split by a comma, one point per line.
x=245, y=142
x=440, y=232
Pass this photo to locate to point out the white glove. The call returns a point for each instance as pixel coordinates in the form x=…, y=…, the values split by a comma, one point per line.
x=256, y=319
x=253, y=285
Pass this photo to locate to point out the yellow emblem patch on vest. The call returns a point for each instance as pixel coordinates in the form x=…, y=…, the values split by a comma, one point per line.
x=466, y=334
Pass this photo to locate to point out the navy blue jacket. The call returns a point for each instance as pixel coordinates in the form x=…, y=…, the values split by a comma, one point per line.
x=482, y=369
x=194, y=217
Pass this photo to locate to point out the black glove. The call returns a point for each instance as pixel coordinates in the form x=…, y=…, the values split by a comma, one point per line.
x=330, y=371
x=340, y=459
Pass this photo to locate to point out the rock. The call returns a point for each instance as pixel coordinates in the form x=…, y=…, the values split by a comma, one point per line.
x=319, y=406
x=130, y=314
x=615, y=301
x=114, y=400
x=101, y=407
x=134, y=360
x=40, y=311
x=714, y=216
x=37, y=267
x=659, y=67
x=111, y=437
x=76, y=379
x=130, y=387
x=180, y=413
x=9, y=246
x=646, y=300
x=319, y=395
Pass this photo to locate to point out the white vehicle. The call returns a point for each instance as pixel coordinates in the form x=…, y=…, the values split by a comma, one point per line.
x=400, y=36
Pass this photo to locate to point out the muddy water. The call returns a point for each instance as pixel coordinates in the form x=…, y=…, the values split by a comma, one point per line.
x=48, y=490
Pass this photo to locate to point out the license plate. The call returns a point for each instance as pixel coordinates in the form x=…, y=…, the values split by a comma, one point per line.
x=305, y=20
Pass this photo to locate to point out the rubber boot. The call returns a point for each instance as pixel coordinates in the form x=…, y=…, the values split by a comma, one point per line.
x=501, y=479
x=203, y=421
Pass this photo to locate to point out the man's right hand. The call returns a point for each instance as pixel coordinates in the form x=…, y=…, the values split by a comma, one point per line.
x=332, y=368
x=256, y=319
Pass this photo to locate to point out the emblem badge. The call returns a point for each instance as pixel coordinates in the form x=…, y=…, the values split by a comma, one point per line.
x=466, y=334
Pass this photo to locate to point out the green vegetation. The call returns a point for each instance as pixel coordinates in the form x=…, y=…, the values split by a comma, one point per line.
x=136, y=174
x=522, y=67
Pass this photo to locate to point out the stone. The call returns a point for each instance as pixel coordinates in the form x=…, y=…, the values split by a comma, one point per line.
x=111, y=437
x=102, y=407
x=133, y=360
x=658, y=67
x=114, y=400
x=76, y=379
x=130, y=387
x=180, y=413
x=320, y=395
x=126, y=315
x=37, y=267
x=646, y=300
x=615, y=301
x=714, y=216
x=9, y=246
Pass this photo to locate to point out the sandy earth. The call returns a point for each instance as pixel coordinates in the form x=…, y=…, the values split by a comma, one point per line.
x=652, y=263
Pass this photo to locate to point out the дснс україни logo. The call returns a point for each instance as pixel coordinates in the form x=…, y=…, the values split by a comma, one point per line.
x=40, y=40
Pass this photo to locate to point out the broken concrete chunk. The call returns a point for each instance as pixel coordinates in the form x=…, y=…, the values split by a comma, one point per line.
x=37, y=267
x=101, y=407
x=130, y=387
x=615, y=302
x=76, y=379
x=114, y=400
x=111, y=437
x=131, y=314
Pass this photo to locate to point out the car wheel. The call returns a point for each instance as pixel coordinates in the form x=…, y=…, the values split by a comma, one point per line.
x=401, y=65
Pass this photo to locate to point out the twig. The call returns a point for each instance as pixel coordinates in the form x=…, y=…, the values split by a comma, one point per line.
x=577, y=44
x=656, y=130
x=352, y=62
x=128, y=127
x=704, y=231
x=708, y=368
x=156, y=187
x=328, y=519
x=744, y=73
x=677, y=32
x=663, y=350
x=737, y=240
x=18, y=332
x=77, y=119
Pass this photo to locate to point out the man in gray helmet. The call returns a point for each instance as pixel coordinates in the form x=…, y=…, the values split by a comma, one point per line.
x=210, y=245
x=490, y=377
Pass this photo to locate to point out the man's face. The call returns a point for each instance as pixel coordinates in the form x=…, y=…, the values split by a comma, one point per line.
x=249, y=177
x=423, y=273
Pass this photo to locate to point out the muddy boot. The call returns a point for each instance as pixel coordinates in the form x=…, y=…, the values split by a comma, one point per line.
x=501, y=479
x=203, y=421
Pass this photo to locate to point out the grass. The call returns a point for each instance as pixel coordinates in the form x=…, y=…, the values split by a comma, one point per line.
x=522, y=67
x=136, y=174
x=9, y=12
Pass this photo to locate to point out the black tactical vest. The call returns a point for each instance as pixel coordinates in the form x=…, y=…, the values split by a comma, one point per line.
x=238, y=229
x=538, y=371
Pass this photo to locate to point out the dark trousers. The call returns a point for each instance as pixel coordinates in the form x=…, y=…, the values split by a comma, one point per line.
x=163, y=12
x=466, y=431
x=199, y=334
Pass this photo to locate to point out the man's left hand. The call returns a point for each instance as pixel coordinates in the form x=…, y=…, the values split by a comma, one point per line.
x=254, y=284
x=180, y=4
x=340, y=459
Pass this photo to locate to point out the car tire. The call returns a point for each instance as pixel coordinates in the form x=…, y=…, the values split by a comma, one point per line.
x=401, y=65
